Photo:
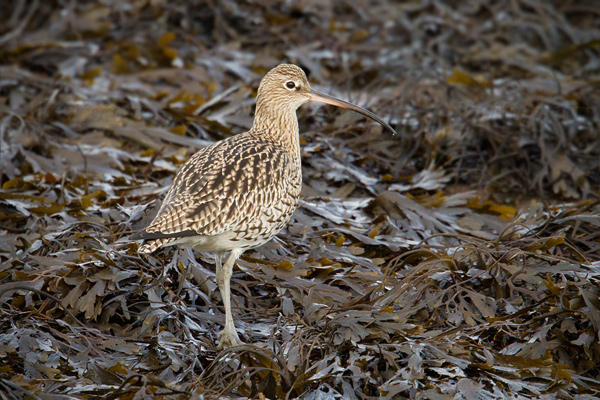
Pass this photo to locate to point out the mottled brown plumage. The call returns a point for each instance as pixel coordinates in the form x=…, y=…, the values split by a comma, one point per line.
x=240, y=192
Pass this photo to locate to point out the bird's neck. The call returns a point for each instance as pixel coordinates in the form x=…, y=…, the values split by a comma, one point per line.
x=279, y=126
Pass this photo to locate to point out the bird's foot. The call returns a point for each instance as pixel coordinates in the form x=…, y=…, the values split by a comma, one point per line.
x=228, y=338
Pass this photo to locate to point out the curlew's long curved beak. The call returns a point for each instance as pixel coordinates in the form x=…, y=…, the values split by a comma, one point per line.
x=324, y=98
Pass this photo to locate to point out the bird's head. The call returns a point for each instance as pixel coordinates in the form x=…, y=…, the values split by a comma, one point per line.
x=285, y=88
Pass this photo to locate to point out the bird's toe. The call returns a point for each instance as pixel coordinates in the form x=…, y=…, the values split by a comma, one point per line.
x=228, y=338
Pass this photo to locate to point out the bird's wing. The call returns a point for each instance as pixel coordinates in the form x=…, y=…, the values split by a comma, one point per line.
x=221, y=188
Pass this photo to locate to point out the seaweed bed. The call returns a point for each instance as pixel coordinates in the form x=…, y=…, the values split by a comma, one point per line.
x=459, y=259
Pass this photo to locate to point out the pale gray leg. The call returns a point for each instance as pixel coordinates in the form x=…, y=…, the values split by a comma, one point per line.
x=228, y=336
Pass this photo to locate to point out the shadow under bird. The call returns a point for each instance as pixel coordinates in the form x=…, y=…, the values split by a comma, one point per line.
x=241, y=191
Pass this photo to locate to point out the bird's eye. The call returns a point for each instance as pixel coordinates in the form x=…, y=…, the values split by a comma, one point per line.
x=290, y=85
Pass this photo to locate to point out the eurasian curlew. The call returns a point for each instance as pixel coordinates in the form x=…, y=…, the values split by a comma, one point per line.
x=241, y=191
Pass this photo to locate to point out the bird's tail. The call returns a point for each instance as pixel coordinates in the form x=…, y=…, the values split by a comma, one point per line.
x=150, y=245
x=154, y=240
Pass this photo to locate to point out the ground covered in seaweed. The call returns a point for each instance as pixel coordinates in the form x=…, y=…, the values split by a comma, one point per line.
x=459, y=259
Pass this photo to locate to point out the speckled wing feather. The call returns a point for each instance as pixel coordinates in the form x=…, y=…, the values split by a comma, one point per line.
x=243, y=186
